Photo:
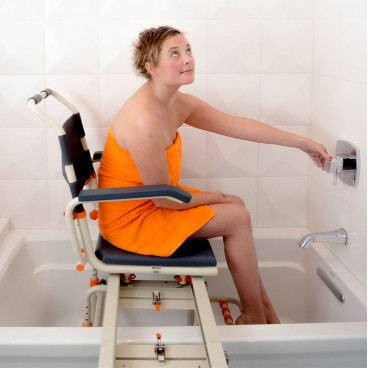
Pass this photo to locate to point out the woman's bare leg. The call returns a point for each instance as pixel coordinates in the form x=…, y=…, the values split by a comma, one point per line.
x=232, y=222
x=269, y=312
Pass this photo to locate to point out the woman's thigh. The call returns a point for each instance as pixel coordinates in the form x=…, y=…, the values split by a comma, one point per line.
x=230, y=219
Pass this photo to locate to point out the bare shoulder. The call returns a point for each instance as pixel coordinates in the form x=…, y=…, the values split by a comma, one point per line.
x=188, y=104
x=133, y=125
x=135, y=119
x=190, y=101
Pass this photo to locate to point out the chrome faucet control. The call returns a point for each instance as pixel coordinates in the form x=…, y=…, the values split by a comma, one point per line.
x=337, y=236
x=345, y=164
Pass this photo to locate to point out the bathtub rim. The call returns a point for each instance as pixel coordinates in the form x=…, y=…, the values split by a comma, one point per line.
x=79, y=340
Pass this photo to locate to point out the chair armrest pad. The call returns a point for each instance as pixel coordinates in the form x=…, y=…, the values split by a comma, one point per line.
x=97, y=156
x=138, y=192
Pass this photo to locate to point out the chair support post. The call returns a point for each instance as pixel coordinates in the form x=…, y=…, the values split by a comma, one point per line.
x=109, y=332
x=211, y=338
x=69, y=218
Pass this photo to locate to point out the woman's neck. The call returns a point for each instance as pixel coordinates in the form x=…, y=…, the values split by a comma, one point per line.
x=163, y=94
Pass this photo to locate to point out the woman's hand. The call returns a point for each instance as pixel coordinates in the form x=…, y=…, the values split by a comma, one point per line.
x=316, y=151
x=217, y=197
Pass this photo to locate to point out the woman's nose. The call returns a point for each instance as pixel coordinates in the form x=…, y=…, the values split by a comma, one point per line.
x=187, y=59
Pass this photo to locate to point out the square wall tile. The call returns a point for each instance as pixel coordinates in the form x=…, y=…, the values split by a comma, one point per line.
x=327, y=39
x=234, y=46
x=117, y=9
x=22, y=47
x=103, y=135
x=353, y=112
x=286, y=99
x=353, y=8
x=235, y=94
x=15, y=90
x=114, y=91
x=115, y=44
x=245, y=188
x=327, y=212
x=25, y=203
x=287, y=9
x=327, y=9
x=71, y=47
x=193, y=153
x=177, y=9
x=199, y=184
x=282, y=202
x=58, y=198
x=198, y=88
x=353, y=256
x=287, y=46
x=195, y=32
x=21, y=10
x=325, y=103
x=282, y=161
x=230, y=157
x=71, y=9
x=320, y=211
x=234, y=9
x=82, y=91
x=23, y=153
x=354, y=50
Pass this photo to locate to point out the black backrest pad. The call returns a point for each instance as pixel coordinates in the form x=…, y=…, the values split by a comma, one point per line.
x=74, y=153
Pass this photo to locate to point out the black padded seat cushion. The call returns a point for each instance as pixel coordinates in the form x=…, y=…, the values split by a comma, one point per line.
x=192, y=253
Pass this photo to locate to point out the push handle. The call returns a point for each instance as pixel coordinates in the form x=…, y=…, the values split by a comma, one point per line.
x=36, y=99
x=40, y=96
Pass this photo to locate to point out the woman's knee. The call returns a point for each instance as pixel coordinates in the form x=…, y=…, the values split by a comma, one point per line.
x=240, y=216
x=236, y=200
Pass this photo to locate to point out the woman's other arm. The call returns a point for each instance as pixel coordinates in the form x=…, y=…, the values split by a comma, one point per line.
x=144, y=141
x=204, y=116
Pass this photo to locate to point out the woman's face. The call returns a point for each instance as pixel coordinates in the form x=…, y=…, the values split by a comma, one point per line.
x=176, y=63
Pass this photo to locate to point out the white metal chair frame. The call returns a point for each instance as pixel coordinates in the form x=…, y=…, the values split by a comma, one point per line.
x=192, y=297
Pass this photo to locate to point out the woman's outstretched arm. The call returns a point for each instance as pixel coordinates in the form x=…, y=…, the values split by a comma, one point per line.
x=204, y=116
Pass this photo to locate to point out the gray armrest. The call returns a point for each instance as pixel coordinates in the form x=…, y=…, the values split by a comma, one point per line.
x=125, y=193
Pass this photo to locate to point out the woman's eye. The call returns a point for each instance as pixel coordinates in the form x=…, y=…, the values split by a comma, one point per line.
x=174, y=53
x=189, y=51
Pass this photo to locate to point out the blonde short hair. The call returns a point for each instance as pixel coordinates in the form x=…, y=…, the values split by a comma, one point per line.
x=147, y=48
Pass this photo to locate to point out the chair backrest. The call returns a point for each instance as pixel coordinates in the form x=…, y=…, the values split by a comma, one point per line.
x=76, y=157
x=77, y=164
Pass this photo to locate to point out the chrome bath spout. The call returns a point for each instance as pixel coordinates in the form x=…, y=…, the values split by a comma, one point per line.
x=336, y=236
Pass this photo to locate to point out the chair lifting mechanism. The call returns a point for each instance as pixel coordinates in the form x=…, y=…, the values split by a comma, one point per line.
x=192, y=262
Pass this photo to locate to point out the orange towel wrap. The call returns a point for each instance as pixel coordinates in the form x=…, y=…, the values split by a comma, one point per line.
x=139, y=226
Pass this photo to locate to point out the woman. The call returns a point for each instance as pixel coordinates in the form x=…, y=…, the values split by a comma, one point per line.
x=144, y=148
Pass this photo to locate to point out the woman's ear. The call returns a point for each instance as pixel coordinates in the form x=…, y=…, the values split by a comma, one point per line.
x=149, y=68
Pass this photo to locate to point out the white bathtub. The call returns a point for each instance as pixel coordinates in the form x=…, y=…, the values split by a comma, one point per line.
x=42, y=301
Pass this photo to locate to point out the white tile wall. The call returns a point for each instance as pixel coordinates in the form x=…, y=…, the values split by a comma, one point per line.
x=339, y=111
x=296, y=64
x=287, y=46
x=234, y=46
x=71, y=46
x=235, y=94
x=286, y=98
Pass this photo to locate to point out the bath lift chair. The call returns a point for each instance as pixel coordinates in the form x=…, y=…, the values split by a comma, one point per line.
x=191, y=262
